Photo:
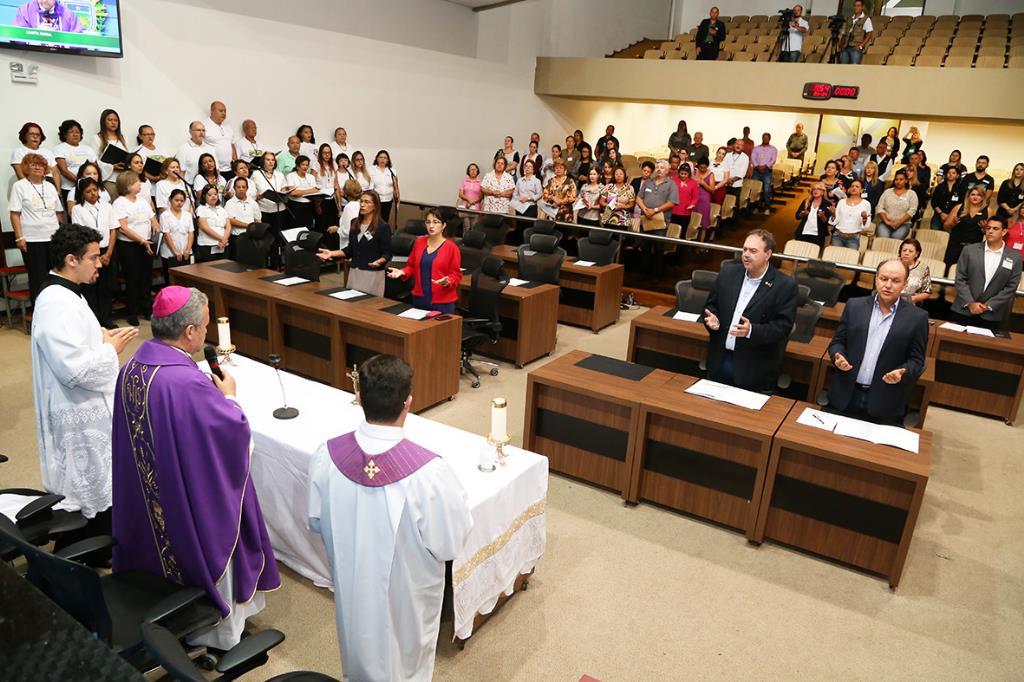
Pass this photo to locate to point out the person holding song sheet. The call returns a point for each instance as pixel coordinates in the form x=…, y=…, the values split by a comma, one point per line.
x=209, y=175
x=184, y=504
x=152, y=155
x=268, y=186
x=99, y=215
x=114, y=160
x=878, y=350
x=247, y=147
x=749, y=316
x=214, y=229
x=178, y=230
x=302, y=183
x=390, y=513
x=190, y=152
x=138, y=228
x=242, y=211
x=435, y=265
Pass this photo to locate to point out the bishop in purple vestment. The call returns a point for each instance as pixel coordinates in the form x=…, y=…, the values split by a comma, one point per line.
x=52, y=15
x=184, y=504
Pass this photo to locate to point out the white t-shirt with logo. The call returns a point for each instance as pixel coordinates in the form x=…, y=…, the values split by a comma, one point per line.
x=38, y=206
x=176, y=229
x=138, y=213
x=74, y=156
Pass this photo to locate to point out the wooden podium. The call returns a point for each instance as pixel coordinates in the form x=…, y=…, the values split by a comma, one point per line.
x=978, y=373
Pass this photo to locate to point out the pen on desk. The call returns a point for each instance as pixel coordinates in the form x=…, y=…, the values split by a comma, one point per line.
x=820, y=420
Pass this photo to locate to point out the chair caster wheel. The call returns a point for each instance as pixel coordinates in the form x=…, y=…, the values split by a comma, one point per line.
x=475, y=384
x=207, y=662
x=494, y=372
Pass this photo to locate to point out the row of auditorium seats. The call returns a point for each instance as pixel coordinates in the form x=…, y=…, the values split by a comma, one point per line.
x=995, y=41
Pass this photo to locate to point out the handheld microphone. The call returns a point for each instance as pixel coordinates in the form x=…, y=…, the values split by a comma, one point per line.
x=212, y=361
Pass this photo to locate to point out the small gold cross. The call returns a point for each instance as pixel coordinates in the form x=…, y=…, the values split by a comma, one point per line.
x=371, y=469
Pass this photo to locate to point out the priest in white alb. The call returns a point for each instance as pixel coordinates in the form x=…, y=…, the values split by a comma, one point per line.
x=391, y=513
x=74, y=370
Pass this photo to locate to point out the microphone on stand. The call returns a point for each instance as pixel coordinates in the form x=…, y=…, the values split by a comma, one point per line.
x=283, y=412
x=212, y=361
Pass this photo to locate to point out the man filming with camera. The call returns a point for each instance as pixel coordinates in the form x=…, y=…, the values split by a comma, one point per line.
x=795, y=26
x=857, y=32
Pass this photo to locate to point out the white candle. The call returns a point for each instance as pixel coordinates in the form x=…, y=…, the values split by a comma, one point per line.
x=223, y=333
x=499, y=420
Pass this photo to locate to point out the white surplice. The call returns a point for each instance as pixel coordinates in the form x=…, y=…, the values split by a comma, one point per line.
x=387, y=548
x=73, y=377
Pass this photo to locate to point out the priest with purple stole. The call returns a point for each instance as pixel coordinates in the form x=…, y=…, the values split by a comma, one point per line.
x=184, y=503
x=391, y=513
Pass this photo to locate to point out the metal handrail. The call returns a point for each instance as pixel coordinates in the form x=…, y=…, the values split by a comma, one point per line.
x=711, y=246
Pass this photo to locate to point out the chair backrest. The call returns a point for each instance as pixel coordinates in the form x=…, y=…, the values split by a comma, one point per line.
x=487, y=283
x=167, y=651
x=795, y=247
x=807, y=316
x=889, y=245
x=74, y=587
x=841, y=254
x=822, y=280
x=415, y=226
x=692, y=294
x=598, y=247
x=474, y=248
x=253, y=245
x=299, y=262
x=541, y=259
x=402, y=243
x=494, y=226
x=542, y=227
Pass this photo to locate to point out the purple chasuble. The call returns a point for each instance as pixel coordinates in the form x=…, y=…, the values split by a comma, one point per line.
x=374, y=471
x=184, y=504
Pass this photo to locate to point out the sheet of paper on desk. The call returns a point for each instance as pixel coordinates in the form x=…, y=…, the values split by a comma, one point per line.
x=516, y=282
x=980, y=331
x=878, y=434
x=292, y=234
x=291, y=281
x=414, y=314
x=347, y=294
x=728, y=394
x=584, y=263
x=953, y=327
x=818, y=419
x=686, y=317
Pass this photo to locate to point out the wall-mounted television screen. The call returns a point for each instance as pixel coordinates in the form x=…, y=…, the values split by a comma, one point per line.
x=83, y=27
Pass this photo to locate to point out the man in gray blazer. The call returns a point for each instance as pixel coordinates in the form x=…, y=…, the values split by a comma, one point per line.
x=987, y=275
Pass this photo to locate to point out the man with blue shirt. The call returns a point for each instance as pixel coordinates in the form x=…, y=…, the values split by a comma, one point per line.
x=878, y=350
x=749, y=316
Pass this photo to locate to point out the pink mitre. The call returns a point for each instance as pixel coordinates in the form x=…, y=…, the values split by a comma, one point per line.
x=170, y=300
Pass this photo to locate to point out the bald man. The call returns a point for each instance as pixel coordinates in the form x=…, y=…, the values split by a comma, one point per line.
x=220, y=135
x=194, y=147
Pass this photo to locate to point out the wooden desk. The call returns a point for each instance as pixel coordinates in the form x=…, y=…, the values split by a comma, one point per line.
x=657, y=340
x=978, y=373
x=584, y=420
x=843, y=498
x=590, y=295
x=704, y=457
x=920, y=396
x=321, y=337
x=529, y=322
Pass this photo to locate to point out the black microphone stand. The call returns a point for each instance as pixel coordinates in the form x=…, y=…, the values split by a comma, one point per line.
x=283, y=412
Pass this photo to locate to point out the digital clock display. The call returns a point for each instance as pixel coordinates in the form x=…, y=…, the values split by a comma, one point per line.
x=823, y=91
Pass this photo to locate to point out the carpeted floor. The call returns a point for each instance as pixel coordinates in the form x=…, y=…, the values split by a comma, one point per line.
x=643, y=593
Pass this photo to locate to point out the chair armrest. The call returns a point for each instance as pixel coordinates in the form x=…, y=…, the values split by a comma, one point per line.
x=250, y=648
x=3, y=458
x=173, y=603
x=475, y=320
x=40, y=507
x=83, y=547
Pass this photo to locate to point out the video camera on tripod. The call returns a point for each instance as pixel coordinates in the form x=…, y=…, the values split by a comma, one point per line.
x=785, y=16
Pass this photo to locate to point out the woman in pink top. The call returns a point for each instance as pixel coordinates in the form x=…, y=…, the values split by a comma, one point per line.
x=469, y=190
x=689, y=192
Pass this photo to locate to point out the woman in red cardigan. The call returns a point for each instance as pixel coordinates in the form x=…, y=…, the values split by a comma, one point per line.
x=435, y=266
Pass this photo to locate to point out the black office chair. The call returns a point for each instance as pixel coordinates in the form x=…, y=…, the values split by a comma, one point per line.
x=808, y=312
x=452, y=220
x=541, y=259
x=692, y=294
x=38, y=521
x=599, y=247
x=727, y=262
x=821, y=278
x=542, y=227
x=415, y=226
x=480, y=320
x=474, y=248
x=253, y=246
x=401, y=247
x=494, y=226
x=300, y=259
x=113, y=606
x=247, y=655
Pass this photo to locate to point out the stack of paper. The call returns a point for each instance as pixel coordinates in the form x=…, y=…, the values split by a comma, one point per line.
x=414, y=314
x=290, y=281
x=584, y=263
x=516, y=282
x=979, y=331
x=292, y=234
x=728, y=394
x=346, y=294
x=862, y=430
x=686, y=317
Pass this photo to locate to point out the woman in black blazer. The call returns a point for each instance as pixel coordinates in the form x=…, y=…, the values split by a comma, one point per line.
x=814, y=230
x=369, y=247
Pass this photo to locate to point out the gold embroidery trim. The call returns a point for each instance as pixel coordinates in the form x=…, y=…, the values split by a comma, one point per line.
x=493, y=547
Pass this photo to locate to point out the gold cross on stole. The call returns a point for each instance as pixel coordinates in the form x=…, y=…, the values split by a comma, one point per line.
x=371, y=469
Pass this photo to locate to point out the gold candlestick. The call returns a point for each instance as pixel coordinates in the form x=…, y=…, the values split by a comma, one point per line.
x=499, y=447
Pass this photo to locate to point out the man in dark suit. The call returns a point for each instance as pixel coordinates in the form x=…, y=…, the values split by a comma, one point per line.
x=710, y=35
x=987, y=275
x=749, y=316
x=878, y=350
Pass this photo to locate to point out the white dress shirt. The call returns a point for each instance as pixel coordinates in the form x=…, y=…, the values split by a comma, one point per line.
x=220, y=136
x=737, y=163
x=750, y=285
x=992, y=261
